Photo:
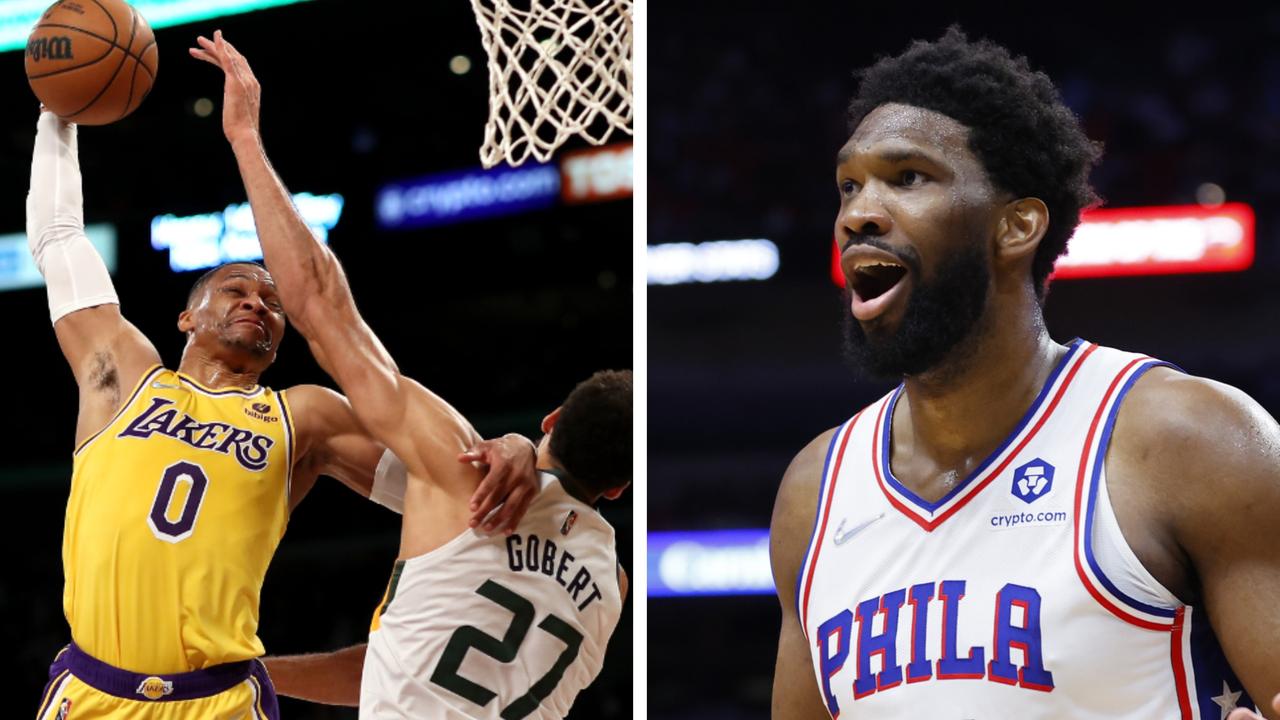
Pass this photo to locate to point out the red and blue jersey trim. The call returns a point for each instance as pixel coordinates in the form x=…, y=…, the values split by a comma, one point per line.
x=826, y=492
x=1122, y=605
x=1201, y=673
x=1091, y=459
x=929, y=515
x=1200, y=669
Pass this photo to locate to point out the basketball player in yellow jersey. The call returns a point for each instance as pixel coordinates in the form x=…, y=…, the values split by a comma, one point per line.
x=183, y=480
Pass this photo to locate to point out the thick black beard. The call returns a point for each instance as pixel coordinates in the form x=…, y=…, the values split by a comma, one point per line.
x=939, y=316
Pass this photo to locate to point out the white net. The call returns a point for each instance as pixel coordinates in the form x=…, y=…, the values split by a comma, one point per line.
x=557, y=68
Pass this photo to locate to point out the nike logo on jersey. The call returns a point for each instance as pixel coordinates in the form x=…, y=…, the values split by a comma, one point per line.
x=163, y=386
x=940, y=602
x=840, y=537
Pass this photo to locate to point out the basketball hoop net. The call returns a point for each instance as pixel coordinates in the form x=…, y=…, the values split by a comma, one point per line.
x=557, y=68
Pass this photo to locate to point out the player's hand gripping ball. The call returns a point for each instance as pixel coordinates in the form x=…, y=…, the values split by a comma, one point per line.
x=91, y=62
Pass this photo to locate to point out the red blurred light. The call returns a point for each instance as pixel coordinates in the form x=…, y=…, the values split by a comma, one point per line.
x=596, y=174
x=1163, y=240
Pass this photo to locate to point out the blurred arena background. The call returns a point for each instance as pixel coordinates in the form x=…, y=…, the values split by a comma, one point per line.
x=747, y=110
x=498, y=291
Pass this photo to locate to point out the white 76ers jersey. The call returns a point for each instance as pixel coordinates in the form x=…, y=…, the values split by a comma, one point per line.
x=494, y=626
x=991, y=602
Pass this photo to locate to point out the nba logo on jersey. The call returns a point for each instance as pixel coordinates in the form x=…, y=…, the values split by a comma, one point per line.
x=64, y=710
x=1032, y=481
x=153, y=688
x=569, y=520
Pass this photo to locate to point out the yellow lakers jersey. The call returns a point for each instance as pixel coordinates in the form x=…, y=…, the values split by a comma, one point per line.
x=176, y=508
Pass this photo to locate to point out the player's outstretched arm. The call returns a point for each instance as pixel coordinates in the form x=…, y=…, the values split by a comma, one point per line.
x=340, y=447
x=107, y=354
x=312, y=284
x=420, y=427
x=331, y=678
x=1209, y=460
x=795, y=691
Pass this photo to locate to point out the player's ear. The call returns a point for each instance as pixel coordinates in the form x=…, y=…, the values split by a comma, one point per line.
x=1021, y=228
x=185, y=323
x=616, y=493
x=550, y=421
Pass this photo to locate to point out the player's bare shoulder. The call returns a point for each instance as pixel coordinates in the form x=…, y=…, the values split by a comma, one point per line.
x=1187, y=455
x=1186, y=432
x=794, y=508
x=309, y=405
x=315, y=411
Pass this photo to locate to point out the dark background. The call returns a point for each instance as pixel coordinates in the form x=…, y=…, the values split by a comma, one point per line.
x=501, y=317
x=746, y=109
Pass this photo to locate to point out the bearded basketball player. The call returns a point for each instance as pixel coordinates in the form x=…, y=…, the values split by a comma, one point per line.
x=1022, y=528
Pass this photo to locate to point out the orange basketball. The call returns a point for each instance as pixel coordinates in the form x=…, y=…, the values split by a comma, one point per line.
x=91, y=61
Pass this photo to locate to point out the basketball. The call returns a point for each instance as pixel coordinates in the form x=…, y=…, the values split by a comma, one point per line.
x=91, y=61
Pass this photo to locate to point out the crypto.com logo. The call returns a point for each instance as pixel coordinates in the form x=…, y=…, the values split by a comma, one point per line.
x=1032, y=481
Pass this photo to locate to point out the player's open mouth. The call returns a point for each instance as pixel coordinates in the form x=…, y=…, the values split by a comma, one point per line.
x=876, y=278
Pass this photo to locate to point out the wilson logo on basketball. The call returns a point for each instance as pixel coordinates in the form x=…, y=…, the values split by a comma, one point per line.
x=261, y=411
x=49, y=48
x=153, y=688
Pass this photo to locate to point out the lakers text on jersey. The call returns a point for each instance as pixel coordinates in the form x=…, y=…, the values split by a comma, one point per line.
x=176, y=508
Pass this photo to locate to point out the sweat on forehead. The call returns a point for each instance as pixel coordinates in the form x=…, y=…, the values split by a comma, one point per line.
x=895, y=130
x=244, y=269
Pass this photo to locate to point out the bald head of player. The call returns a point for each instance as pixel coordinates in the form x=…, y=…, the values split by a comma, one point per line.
x=234, y=316
x=962, y=179
x=587, y=440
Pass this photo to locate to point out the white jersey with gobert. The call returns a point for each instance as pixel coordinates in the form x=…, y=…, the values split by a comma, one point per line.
x=494, y=626
x=1014, y=595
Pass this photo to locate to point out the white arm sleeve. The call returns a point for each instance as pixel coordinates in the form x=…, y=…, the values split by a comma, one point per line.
x=389, y=481
x=73, y=270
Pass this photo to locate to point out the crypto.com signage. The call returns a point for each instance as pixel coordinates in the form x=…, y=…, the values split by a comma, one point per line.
x=582, y=176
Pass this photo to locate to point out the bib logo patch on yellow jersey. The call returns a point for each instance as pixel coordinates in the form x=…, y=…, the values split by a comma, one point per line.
x=153, y=688
x=261, y=411
x=250, y=449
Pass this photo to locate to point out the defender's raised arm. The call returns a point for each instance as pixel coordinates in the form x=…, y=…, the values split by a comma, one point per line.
x=318, y=299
